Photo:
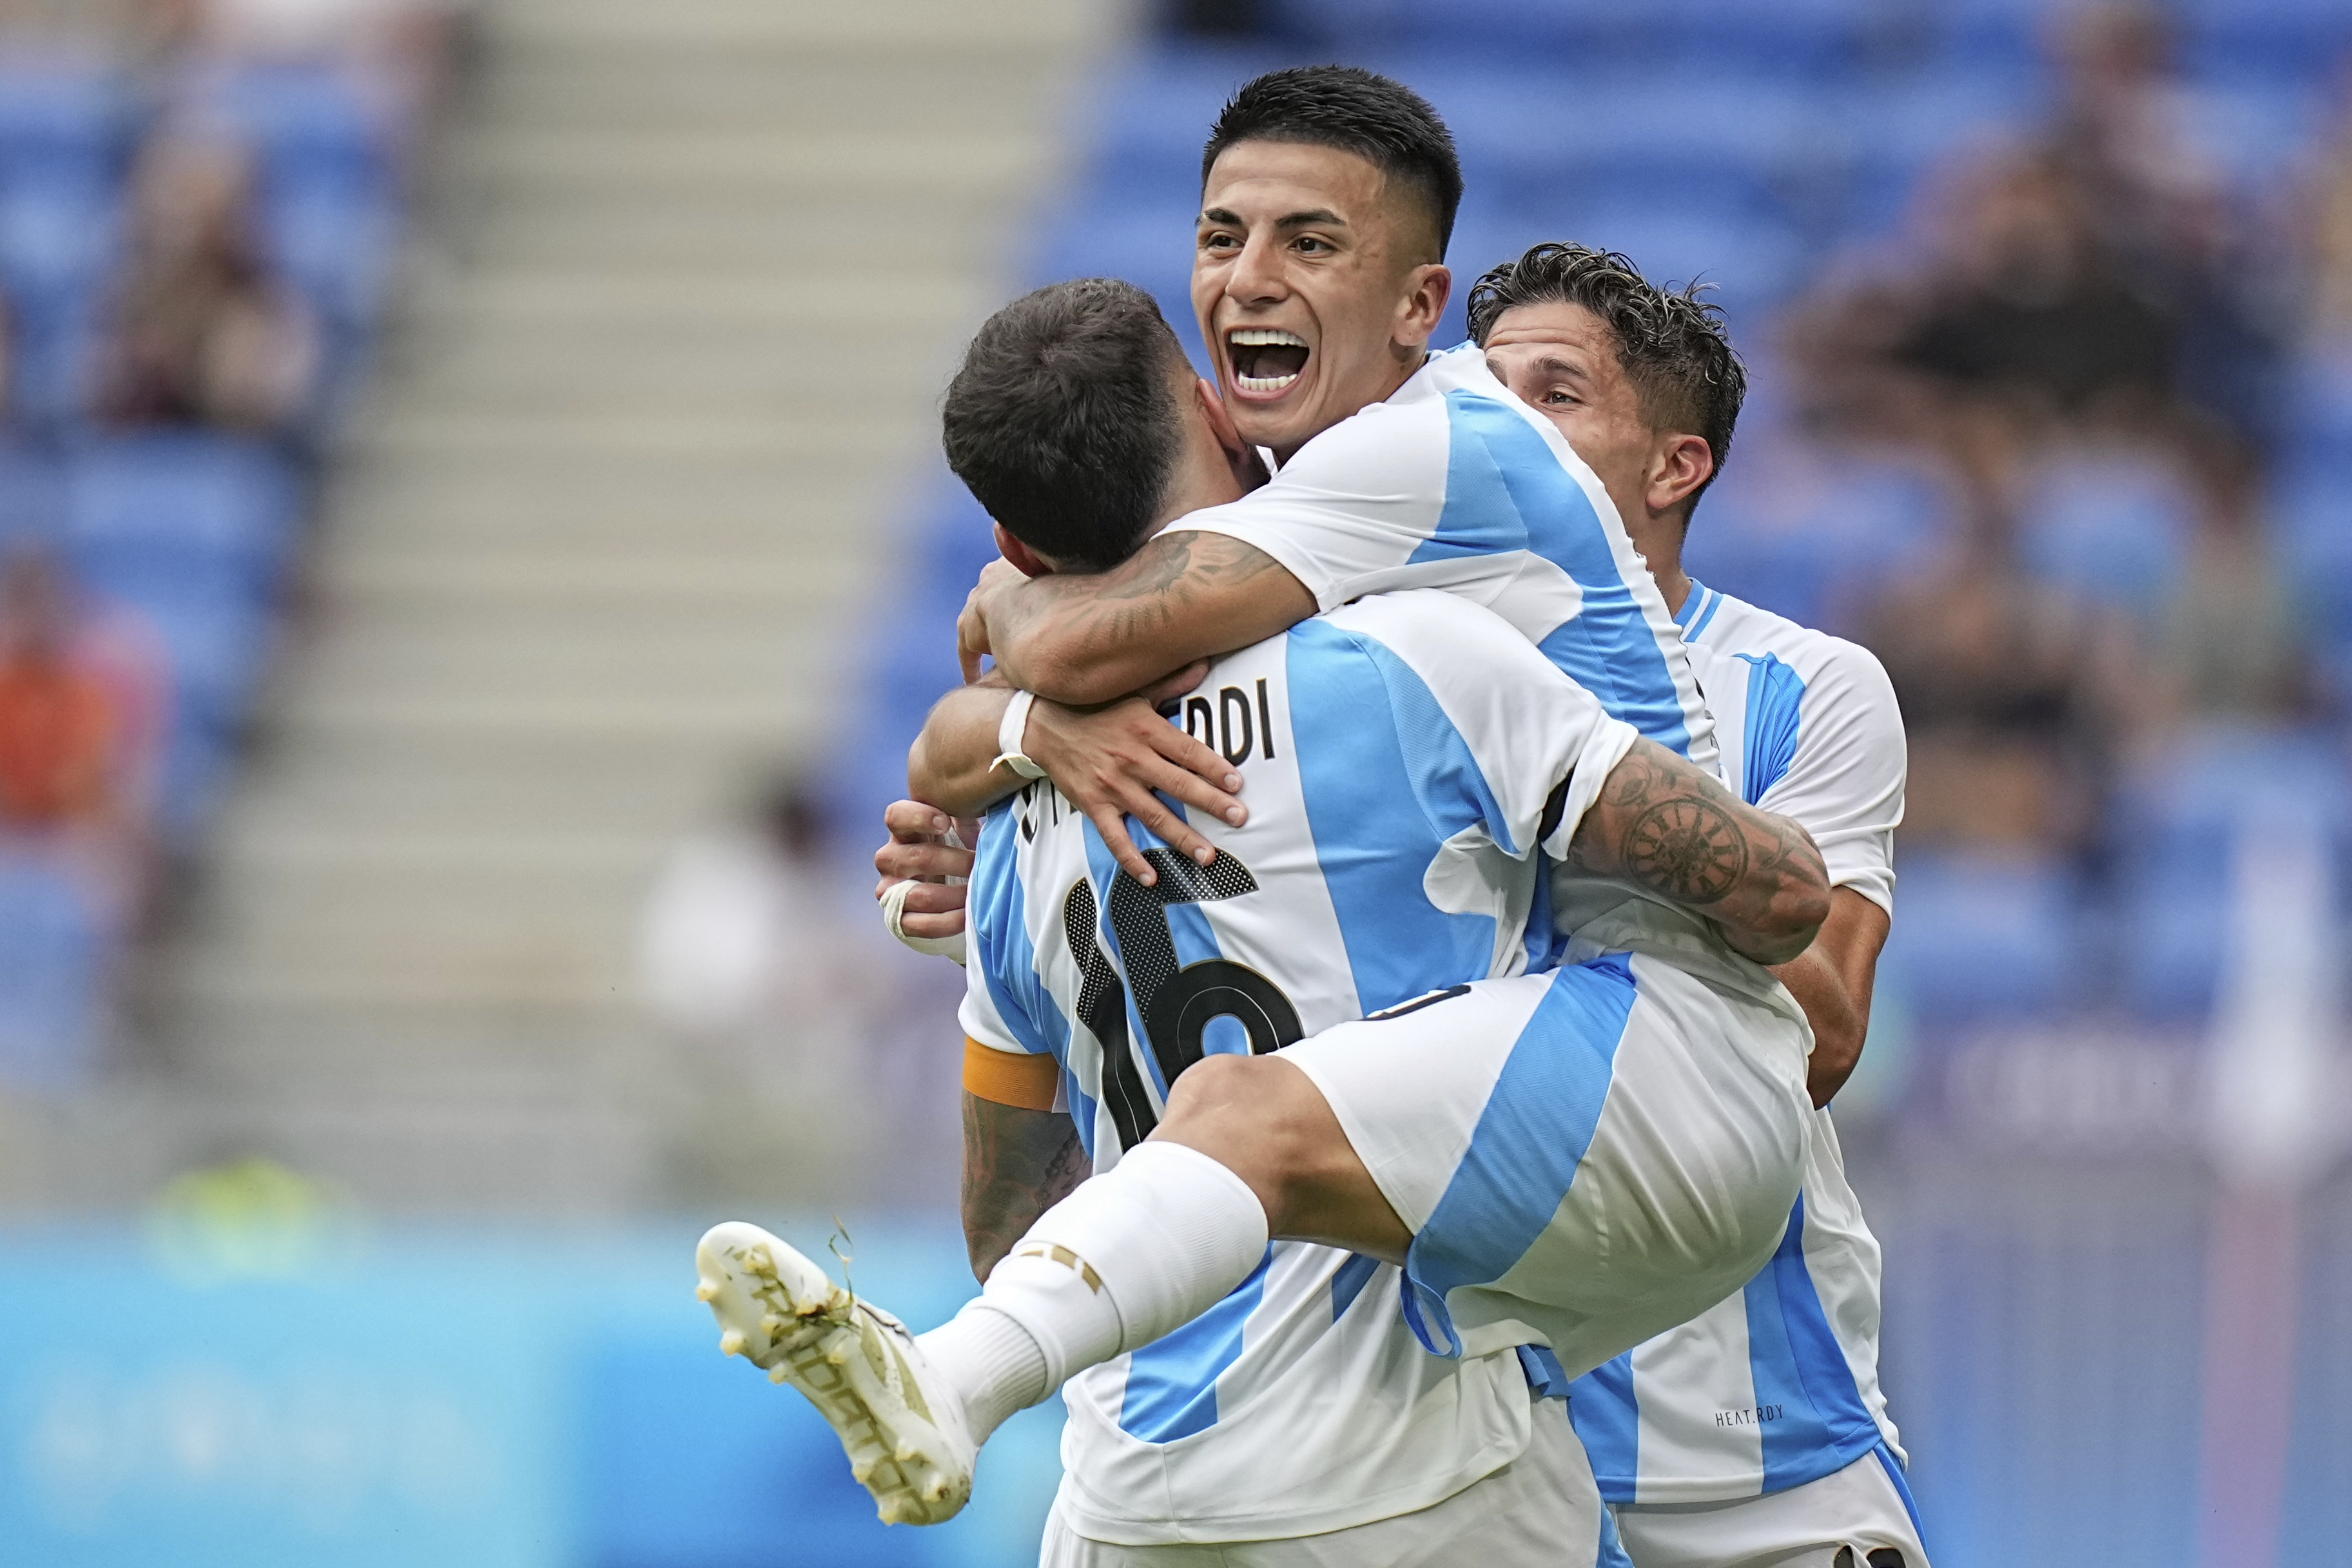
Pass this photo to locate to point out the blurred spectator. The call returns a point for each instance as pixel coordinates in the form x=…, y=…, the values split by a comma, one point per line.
x=2012, y=697
x=64, y=739
x=2089, y=279
x=2231, y=644
x=2330, y=236
x=757, y=945
x=200, y=332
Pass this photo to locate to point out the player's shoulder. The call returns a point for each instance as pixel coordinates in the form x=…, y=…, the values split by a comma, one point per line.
x=1728, y=628
x=1423, y=624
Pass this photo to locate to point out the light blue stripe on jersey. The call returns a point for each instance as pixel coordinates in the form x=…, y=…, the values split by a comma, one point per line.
x=1171, y=1383
x=1823, y=1424
x=1706, y=602
x=1524, y=1153
x=1612, y=1549
x=998, y=908
x=1775, y=696
x=1371, y=783
x=1608, y=1418
x=1349, y=1283
x=1499, y=466
x=1902, y=1485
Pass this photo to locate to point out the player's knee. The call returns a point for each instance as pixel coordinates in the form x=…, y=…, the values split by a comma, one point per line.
x=1240, y=1112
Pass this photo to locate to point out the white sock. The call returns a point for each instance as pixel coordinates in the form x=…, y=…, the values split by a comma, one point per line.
x=993, y=1362
x=1132, y=1254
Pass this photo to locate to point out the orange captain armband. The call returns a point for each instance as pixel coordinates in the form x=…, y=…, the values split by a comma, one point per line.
x=1010, y=1078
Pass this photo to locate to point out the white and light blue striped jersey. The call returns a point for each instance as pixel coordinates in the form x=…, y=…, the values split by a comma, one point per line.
x=1777, y=1385
x=1403, y=757
x=1452, y=482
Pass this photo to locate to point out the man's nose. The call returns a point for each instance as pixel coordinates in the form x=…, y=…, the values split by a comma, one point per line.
x=1256, y=277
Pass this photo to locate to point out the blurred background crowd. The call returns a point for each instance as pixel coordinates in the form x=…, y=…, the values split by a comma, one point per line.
x=554, y=904
x=200, y=203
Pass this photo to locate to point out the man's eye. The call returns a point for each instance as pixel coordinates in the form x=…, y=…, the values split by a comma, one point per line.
x=1310, y=245
x=1217, y=242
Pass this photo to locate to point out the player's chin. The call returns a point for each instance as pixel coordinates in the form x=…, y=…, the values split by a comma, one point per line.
x=1279, y=420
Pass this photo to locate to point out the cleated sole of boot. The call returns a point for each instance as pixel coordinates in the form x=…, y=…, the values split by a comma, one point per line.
x=781, y=1312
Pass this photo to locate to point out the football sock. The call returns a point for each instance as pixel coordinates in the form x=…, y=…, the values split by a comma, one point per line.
x=1132, y=1254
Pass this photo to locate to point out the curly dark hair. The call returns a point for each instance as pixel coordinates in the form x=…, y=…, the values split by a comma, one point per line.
x=1671, y=343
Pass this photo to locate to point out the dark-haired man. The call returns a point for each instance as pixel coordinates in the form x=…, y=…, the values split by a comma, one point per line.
x=1569, y=1158
x=1757, y=1433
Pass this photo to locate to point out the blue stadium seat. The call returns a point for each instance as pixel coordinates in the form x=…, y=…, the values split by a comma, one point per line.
x=2111, y=531
x=2174, y=828
x=183, y=497
x=1808, y=538
x=1983, y=939
x=54, y=957
x=61, y=125
x=311, y=127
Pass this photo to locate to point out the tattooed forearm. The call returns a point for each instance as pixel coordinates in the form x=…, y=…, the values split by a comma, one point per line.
x=1672, y=829
x=1088, y=638
x=1017, y=1164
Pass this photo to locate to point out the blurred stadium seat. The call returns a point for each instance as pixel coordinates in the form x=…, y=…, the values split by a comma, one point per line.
x=1986, y=939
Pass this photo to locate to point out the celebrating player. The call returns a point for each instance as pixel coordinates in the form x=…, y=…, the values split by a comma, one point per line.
x=1755, y=1433
x=1577, y=1159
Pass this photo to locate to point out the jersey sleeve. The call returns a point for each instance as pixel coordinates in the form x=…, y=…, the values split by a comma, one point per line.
x=1844, y=783
x=1361, y=509
x=1002, y=992
x=1513, y=744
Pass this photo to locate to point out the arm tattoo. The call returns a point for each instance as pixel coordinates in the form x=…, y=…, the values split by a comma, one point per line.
x=1135, y=601
x=1017, y=1164
x=1688, y=849
x=1673, y=830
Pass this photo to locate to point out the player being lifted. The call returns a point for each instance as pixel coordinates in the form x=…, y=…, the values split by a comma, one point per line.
x=1576, y=1158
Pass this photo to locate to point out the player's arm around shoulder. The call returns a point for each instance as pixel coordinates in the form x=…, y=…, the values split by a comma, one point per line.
x=1669, y=827
x=1359, y=498
x=1083, y=639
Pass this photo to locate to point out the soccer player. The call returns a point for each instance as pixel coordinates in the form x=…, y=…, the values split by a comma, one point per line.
x=1757, y=1433
x=1577, y=1158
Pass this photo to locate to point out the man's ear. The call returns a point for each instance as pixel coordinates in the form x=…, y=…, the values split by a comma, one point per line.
x=1428, y=288
x=1248, y=468
x=1023, y=558
x=1681, y=464
x=1220, y=417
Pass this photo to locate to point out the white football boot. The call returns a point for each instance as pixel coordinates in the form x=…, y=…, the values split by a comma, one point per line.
x=901, y=1426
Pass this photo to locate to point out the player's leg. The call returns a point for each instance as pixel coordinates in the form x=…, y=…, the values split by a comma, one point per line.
x=1623, y=1158
x=1541, y=1511
x=1859, y=1516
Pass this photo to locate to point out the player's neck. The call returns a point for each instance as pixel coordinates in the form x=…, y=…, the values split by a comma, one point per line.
x=1660, y=541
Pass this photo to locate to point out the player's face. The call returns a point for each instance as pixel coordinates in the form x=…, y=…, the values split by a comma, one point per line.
x=1312, y=286
x=1562, y=360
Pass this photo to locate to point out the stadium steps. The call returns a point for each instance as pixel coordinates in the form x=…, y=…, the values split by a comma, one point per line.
x=600, y=547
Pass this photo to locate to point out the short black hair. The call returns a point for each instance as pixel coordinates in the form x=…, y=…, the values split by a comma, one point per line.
x=1355, y=111
x=1672, y=343
x=1062, y=422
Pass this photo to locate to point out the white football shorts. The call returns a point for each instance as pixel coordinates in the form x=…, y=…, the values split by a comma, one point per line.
x=1541, y=1511
x=1863, y=1510
x=1586, y=1157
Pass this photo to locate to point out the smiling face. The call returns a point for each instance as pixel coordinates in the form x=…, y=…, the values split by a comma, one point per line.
x=1317, y=287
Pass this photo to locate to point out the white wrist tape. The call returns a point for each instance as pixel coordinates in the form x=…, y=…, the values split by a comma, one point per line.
x=894, y=918
x=1011, y=731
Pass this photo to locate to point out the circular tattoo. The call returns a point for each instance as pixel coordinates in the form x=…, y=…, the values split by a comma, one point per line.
x=1687, y=850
